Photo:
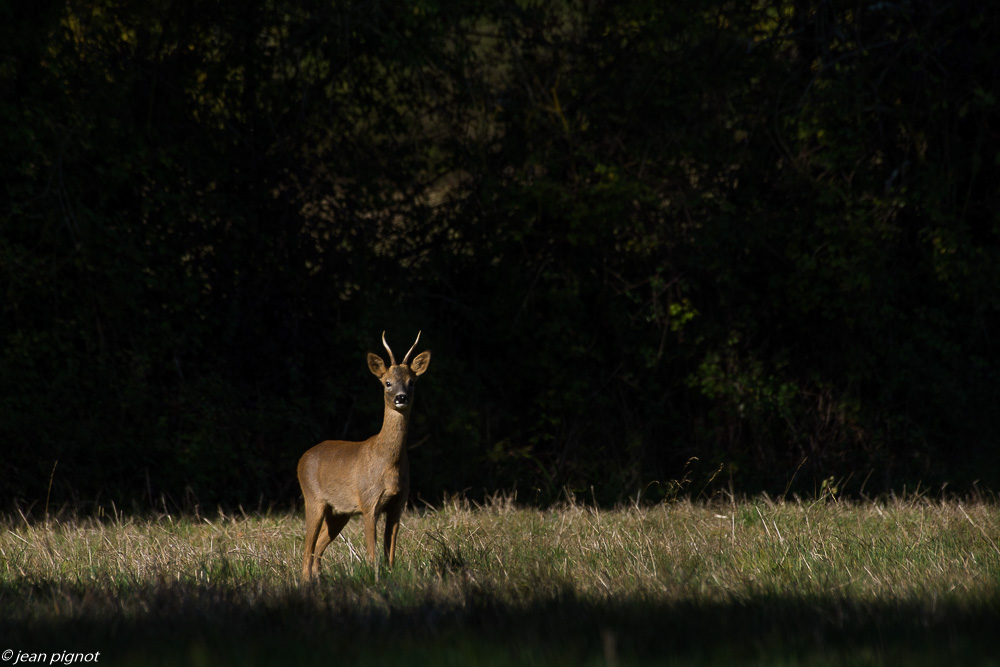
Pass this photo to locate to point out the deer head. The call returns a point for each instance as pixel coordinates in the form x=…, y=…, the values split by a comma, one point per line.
x=398, y=379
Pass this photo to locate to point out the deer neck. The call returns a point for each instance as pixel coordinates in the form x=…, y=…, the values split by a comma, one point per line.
x=392, y=437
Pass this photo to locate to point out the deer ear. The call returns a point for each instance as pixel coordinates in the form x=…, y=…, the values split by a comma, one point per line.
x=421, y=362
x=376, y=365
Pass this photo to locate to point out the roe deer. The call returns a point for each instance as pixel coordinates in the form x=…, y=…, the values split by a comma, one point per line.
x=342, y=479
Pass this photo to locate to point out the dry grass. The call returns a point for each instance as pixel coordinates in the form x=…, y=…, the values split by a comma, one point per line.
x=754, y=582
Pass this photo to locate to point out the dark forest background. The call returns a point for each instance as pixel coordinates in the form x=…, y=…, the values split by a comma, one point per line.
x=655, y=247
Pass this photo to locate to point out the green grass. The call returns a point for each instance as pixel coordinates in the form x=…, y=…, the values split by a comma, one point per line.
x=755, y=582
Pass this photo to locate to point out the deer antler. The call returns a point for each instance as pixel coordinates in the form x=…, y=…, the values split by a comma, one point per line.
x=406, y=359
x=392, y=359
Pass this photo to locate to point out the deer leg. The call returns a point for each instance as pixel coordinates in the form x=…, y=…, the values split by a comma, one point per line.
x=392, y=517
x=314, y=517
x=370, y=519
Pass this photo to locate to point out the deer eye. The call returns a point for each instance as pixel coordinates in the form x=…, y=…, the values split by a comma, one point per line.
x=388, y=383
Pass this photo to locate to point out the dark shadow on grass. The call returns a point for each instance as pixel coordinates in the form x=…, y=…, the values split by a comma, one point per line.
x=355, y=623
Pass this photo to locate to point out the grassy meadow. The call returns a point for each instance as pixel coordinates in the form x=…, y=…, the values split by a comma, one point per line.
x=913, y=582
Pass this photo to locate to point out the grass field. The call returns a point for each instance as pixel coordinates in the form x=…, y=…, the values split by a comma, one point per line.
x=910, y=582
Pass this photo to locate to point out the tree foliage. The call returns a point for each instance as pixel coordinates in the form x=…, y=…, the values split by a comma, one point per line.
x=646, y=242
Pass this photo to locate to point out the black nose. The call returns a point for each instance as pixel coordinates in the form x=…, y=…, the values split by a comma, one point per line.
x=401, y=399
